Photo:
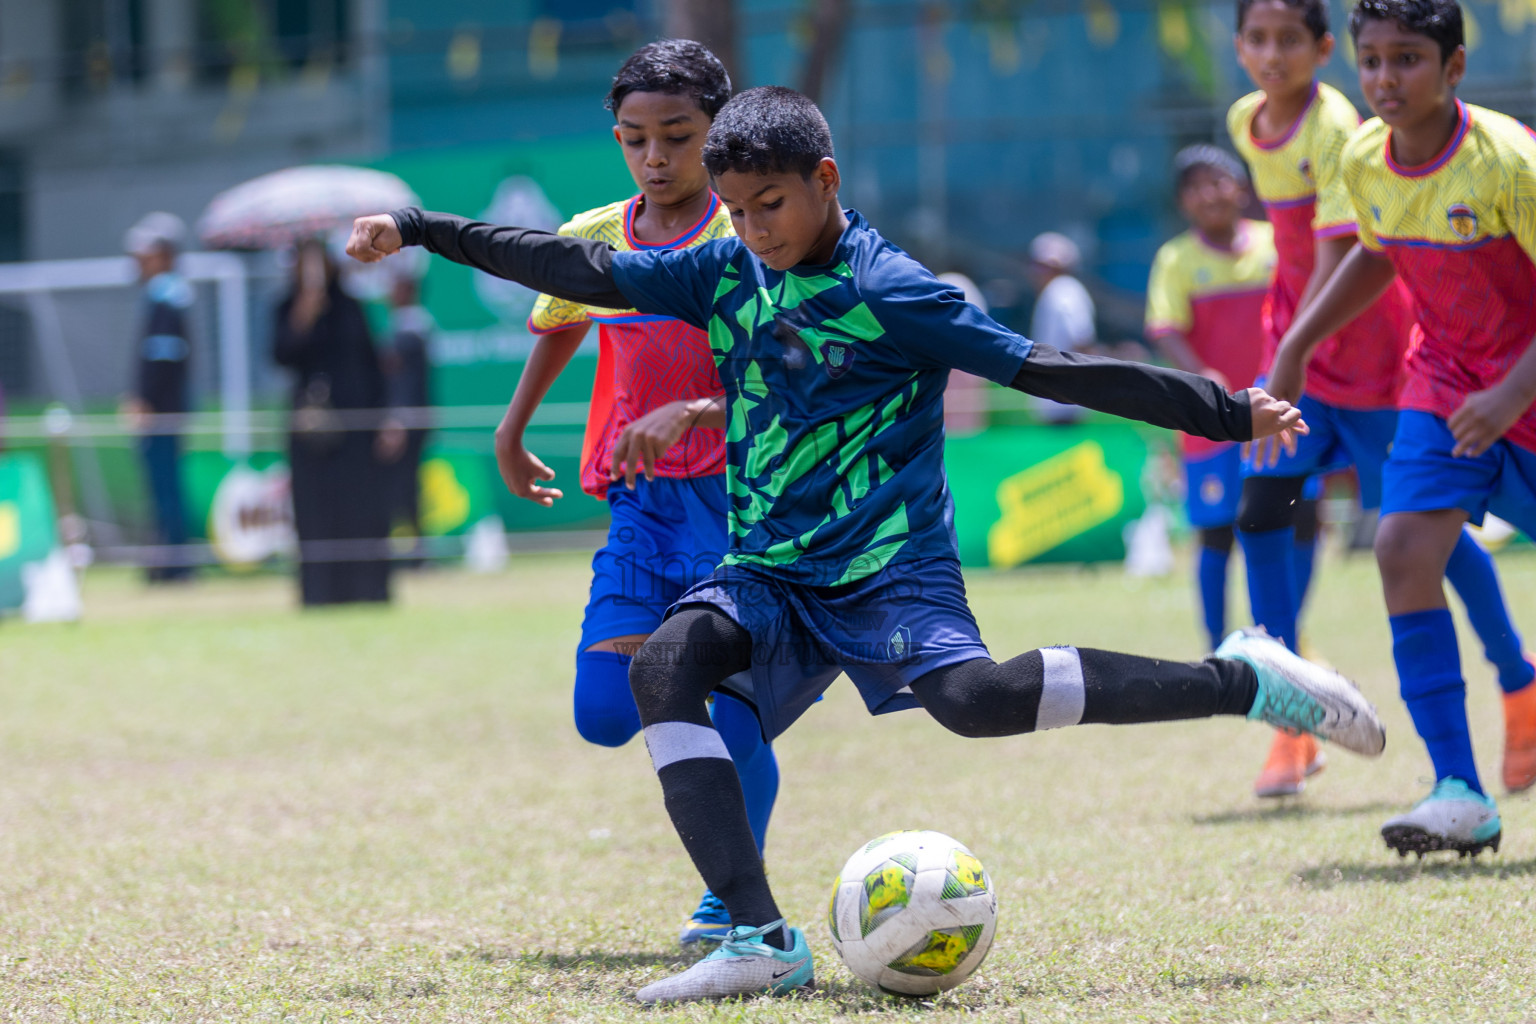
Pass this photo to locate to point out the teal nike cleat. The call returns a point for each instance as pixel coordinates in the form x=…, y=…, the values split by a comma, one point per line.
x=1296, y=694
x=743, y=965
x=1452, y=817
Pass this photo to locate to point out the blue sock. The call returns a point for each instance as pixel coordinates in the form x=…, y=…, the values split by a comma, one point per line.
x=1303, y=554
x=1471, y=572
x=1271, y=587
x=756, y=765
x=1429, y=674
x=1213, y=592
x=605, y=709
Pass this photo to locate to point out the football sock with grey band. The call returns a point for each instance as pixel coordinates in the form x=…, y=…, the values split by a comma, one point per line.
x=699, y=648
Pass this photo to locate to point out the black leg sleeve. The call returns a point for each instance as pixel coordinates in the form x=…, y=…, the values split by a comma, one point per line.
x=1061, y=686
x=673, y=673
x=1269, y=503
x=575, y=269
x=1138, y=391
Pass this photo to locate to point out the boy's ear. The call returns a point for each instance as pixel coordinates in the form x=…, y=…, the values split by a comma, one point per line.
x=1456, y=66
x=1325, y=47
x=828, y=179
x=616, y=136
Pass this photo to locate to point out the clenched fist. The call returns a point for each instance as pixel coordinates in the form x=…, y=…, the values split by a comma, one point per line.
x=373, y=238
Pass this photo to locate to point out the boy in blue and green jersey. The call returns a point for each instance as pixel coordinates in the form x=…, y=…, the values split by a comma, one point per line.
x=834, y=347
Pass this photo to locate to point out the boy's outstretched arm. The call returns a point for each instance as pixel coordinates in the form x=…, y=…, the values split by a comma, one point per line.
x=575, y=269
x=1157, y=395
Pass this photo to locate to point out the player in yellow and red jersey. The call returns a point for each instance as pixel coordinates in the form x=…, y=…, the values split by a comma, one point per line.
x=1445, y=202
x=1204, y=298
x=1292, y=131
x=655, y=419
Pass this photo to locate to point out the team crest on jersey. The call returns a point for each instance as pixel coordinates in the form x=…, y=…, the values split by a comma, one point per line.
x=1212, y=490
x=1463, y=221
x=900, y=643
x=838, y=357
x=1305, y=167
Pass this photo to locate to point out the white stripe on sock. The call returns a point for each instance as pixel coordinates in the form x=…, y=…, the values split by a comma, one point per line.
x=670, y=742
x=1061, y=702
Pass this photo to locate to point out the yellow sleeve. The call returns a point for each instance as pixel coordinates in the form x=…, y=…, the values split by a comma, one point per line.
x=1353, y=167
x=1334, y=216
x=1520, y=202
x=552, y=314
x=1237, y=124
x=1168, y=307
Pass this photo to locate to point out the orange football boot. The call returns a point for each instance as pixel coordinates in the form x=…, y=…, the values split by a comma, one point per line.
x=1292, y=757
x=1520, y=738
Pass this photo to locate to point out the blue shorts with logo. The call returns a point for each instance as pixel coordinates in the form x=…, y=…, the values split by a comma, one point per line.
x=886, y=631
x=1212, y=485
x=665, y=536
x=1339, y=438
x=1423, y=476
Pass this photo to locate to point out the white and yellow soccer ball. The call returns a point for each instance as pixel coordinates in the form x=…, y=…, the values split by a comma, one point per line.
x=913, y=913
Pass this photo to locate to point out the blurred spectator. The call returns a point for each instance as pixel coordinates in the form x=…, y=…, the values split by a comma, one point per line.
x=340, y=481
x=406, y=373
x=1064, y=311
x=161, y=385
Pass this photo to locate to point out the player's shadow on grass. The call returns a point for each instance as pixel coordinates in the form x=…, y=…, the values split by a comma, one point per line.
x=1439, y=865
x=590, y=960
x=1291, y=810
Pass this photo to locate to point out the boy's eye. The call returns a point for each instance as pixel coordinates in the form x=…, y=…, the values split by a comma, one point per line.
x=775, y=204
x=678, y=140
x=1410, y=58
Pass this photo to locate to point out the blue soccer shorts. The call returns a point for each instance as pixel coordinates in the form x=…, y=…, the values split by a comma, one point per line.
x=1339, y=438
x=1423, y=476
x=886, y=631
x=1212, y=485
x=665, y=536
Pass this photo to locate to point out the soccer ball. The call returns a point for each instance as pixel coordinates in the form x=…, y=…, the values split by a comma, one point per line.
x=913, y=913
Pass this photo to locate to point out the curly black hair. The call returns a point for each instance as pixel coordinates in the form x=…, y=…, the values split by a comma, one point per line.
x=679, y=67
x=768, y=130
x=1313, y=12
x=1440, y=20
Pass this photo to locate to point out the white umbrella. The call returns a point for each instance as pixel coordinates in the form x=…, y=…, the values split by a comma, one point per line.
x=278, y=209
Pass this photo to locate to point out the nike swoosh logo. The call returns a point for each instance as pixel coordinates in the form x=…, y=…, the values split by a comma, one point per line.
x=791, y=969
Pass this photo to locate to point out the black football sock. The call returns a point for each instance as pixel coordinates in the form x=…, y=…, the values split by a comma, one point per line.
x=1059, y=686
x=672, y=674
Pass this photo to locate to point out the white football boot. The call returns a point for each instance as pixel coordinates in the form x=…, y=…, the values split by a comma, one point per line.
x=1452, y=817
x=743, y=965
x=1296, y=694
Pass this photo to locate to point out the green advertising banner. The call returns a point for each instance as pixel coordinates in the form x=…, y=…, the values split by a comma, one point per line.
x=27, y=530
x=1046, y=494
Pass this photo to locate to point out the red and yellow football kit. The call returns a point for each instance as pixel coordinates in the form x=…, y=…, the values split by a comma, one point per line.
x=1214, y=296
x=1297, y=178
x=643, y=361
x=1461, y=231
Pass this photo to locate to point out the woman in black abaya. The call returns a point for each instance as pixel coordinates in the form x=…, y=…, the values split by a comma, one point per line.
x=340, y=476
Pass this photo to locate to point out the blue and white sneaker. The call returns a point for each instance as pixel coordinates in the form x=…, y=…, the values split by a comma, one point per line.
x=1296, y=694
x=710, y=923
x=1452, y=817
x=743, y=965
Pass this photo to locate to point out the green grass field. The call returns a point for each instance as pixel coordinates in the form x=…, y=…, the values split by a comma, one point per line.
x=213, y=808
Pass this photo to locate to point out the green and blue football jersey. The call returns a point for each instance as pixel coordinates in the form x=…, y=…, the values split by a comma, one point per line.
x=834, y=378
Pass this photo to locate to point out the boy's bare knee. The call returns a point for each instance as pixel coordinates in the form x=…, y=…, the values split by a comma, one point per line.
x=1396, y=554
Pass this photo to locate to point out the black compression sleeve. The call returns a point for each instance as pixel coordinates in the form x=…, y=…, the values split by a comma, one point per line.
x=575, y=269
x=1138, y=391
